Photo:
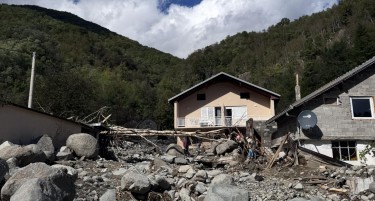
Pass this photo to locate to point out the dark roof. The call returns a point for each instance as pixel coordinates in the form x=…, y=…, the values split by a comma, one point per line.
x=222, y=76
x=325, y=88
x=44, y=113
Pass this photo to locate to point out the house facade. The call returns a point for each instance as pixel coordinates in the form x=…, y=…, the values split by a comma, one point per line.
x=222, y=101
x=21, y=125
x=345, y=117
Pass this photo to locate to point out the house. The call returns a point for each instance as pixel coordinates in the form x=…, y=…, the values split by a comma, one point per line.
x=222, y=101
x=22, y=125
x=344, y=110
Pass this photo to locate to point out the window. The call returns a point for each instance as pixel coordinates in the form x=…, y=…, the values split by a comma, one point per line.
x=362, y=107
x=201, y=96
x=344, y=150
x=245, y=95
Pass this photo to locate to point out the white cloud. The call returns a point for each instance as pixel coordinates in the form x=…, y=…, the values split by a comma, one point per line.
x=183, y=30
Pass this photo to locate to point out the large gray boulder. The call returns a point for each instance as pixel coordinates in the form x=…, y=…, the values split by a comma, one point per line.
x=226, y=147
x=24, y=154
x=224, y=192
x=83, y=144
x=175, y=150
x=45, y=143
x=40, y=182
x=135, y=182
x=372, y=187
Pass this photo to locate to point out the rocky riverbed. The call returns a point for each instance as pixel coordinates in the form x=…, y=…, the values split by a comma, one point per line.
x=133, y=170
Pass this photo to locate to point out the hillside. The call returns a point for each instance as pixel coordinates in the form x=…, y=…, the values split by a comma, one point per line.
x=318, y=47
x=82, y=67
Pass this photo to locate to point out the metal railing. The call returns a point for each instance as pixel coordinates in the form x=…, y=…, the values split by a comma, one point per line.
x=217, y=122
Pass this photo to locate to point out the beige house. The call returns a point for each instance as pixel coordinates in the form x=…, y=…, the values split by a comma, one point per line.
x=222, y=101
x=21, y=125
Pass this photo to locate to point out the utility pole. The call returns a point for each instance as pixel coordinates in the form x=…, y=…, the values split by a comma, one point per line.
x=31, y=82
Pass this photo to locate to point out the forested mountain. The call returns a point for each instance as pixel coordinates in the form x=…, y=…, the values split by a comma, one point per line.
x=82, y=67
x=319, y=48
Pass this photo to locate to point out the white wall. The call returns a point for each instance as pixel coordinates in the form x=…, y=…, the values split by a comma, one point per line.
x=324, y=147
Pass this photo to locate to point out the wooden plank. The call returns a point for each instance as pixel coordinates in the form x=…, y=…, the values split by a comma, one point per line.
x=278, y=151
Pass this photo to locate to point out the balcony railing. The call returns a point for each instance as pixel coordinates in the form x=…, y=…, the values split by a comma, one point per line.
x=217, y=122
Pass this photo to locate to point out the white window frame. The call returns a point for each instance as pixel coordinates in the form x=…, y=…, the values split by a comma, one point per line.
x=340, y=148
x=370, y=98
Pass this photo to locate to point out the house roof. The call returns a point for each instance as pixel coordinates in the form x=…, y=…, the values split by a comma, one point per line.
x=222, y=76
x=44, y=113
x=325, y=88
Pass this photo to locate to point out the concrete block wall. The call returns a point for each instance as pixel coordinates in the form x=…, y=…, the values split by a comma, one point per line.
x=335, y=121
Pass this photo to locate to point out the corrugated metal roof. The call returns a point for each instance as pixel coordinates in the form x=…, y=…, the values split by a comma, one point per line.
x=324, y=88
x=215, y=77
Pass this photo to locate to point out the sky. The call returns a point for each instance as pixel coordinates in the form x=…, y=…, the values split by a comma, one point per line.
x=180, y=27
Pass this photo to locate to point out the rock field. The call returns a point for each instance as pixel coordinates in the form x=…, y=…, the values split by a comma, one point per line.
x=133, y=170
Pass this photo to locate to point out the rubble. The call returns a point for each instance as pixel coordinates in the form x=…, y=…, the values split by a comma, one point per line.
x=131, y=169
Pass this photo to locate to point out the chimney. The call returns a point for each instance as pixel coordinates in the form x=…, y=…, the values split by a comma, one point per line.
x=297, y=89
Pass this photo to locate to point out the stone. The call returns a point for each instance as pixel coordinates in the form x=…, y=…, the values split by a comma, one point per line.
x=6, y=144
x=135, y=182
x=40, y=180
x=45, y=143
x=162, y=182
x=180, y=161
x=201, y=174
x=71, y=171
x=224, y=192
x=372, y=187
x=168, y=158
x=120, y=171
x=184, y=168
x=175, y=150
x=200, y=187
x=83, y=145
x=158, y=163
x=299, y=199
x=190, y=173
x=64, y=156
x=213, y=173
x=298, y=186
x=24, y=154
x=4, y=168
x=109, y=195
x=222, y=179
x=226, y=147
x=184, y=194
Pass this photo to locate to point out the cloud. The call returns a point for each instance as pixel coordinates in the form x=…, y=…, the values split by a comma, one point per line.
x=182, y=29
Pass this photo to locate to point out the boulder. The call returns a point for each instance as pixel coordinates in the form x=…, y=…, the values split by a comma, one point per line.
x=162, y=182
x=158, y=163
x=226, y=147
x=109, y=195
x=185, y=195
x=40, y=180
x=45, y=143
x=135, y=182
x=180, y=161
x=168, y=158
x=222, y=179
x=372, y=187
x=175, y=150
x=24, y=154
x=6, y=144
x=224, y=192
x=71, y=171
x=83, y=144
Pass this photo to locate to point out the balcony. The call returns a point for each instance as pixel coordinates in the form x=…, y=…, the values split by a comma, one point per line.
x=227, y=121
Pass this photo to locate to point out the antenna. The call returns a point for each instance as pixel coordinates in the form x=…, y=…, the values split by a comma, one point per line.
x=307, y=119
